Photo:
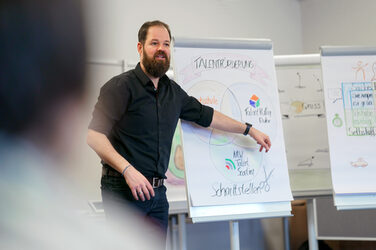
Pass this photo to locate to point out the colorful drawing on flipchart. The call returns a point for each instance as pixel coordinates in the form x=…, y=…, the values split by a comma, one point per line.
x=175, y=172
x=235, y=156
x=360, y=70
x=359, y=106
x=300, y=108
x=254, y=101
x=337, y=121
x=228, y=168
x=230, y=165
x=297, y=100
x=359, y=163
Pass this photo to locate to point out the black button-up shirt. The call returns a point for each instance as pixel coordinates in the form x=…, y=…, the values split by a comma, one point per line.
x=140, y=120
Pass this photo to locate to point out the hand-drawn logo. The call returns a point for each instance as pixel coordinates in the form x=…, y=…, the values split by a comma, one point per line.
x=254, y=101
x=234, y=101
x=359, y=163
x=360, y=68
x=230, y=164
x=337, y=121
x=298, y=106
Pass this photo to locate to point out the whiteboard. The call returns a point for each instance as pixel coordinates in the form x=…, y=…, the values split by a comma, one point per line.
x=350, y=96
x=225, y=169
x=303, y=114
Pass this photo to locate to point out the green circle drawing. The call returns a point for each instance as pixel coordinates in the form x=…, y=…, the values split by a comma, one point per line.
x=176, y=147
x=337, y=121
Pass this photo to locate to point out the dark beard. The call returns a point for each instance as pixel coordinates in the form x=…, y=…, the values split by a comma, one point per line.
x=156, y=68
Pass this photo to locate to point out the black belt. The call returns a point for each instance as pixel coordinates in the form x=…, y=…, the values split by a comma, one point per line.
x=155, y=182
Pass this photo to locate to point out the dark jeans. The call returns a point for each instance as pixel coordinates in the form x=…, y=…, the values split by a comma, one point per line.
x=116, y=196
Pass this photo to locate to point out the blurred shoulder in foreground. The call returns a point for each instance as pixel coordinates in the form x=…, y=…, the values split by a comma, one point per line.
x=42, y=88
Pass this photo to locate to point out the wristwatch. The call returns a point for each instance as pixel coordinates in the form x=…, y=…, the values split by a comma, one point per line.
x=246, y=131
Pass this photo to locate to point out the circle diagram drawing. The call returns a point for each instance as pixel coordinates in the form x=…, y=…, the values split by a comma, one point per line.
x=235, y=156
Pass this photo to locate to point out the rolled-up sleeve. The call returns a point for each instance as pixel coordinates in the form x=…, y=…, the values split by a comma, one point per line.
x=193, y=110
x=111, y=105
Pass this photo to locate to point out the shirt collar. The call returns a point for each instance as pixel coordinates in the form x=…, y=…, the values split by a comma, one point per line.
x=144, y=78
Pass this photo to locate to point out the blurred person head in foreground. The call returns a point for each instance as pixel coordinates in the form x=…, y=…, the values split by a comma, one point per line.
x=42, y=87
x=42, y=53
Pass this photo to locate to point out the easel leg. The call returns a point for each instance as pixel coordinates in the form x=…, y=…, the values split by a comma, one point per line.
x=286, y=233
x=234, y=235
x=182, y=232
x=173, y=233
x=313, y=244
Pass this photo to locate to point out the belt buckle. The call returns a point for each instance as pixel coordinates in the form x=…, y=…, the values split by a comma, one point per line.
x=157, y=182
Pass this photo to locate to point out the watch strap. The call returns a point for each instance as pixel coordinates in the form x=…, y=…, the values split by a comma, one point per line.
x=246, y=131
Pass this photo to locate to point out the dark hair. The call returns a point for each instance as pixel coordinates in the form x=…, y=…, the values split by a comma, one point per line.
x=42, y=59
x=142, y=33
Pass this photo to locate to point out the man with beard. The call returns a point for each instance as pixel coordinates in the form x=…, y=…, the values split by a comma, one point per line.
x=134, y=122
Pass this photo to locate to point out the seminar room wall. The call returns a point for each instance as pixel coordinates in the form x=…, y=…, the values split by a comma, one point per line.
x=112, y=28
x=113, y=24
x=294, y=26
x=337, y=22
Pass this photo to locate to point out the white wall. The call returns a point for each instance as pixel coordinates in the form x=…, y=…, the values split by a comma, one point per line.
x=337, y=22
x=113, y=24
